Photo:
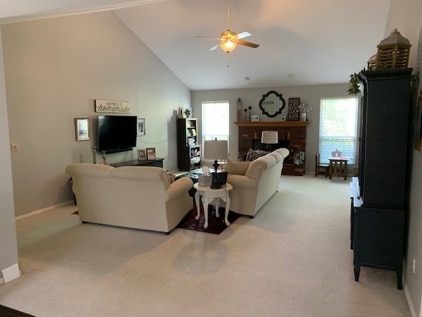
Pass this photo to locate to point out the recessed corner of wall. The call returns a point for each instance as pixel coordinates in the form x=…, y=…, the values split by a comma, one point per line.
x=11, y=273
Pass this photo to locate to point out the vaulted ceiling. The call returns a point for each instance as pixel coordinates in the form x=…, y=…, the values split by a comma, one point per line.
x=302, y=42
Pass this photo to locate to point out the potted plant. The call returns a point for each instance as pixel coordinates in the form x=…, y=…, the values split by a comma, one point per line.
x=354, y=88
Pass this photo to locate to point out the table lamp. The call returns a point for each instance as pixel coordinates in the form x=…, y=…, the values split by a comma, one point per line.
x=215, y=150
x=269, y=137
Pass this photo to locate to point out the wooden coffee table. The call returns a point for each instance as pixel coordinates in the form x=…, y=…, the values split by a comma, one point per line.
x=208, y=195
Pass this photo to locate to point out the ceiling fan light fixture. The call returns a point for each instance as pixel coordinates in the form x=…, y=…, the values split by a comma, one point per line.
x=228, y=41
x=228, y=46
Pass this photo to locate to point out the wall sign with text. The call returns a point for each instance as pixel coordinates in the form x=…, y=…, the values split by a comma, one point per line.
x=112, y=106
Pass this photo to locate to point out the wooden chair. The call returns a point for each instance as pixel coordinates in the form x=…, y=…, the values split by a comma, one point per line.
x=320, y=168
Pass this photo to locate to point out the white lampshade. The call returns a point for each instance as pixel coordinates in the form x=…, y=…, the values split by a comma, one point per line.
x=269, y=137
x=216, y=149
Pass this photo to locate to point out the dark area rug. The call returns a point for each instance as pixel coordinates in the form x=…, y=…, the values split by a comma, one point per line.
x=215, y=225
x=9, y=312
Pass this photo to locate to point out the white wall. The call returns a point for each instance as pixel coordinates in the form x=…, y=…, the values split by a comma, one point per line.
x=55, y=69
x=405, y=16
x=251, y=97
x=8, y=251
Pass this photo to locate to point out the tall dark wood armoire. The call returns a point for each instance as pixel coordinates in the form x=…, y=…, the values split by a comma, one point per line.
x=380, y=194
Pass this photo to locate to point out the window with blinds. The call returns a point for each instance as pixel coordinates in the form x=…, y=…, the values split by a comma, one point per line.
x=338, y=128
x=215, y=120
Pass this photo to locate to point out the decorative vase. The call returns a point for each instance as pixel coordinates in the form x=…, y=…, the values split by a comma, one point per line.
x=303, y=116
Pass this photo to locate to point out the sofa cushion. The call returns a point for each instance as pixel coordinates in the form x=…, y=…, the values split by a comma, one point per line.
x=237, y=167
x=254, y=154
x=154, y=174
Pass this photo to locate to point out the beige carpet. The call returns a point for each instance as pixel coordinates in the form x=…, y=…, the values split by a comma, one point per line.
x=293, y=259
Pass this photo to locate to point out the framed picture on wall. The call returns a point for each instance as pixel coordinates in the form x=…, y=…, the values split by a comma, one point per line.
x=151, y=153
x=141, y=126
x=82, y=129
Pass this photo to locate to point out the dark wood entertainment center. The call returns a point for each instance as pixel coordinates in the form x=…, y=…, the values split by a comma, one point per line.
x=291, y=135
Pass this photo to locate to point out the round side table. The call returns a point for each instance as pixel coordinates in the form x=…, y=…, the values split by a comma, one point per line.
x=208, y=195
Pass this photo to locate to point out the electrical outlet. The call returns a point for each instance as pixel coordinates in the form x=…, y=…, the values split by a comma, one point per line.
x=14, y=147
x=414, y=266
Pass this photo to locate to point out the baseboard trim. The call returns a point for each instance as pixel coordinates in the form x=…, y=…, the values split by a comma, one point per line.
x=409, y=301
x=11, y=273
x=39, y=211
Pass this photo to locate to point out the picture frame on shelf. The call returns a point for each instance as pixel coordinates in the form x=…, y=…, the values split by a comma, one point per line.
x=255, y=118
x=82, y=132
x=142, y=154
x=150, y=153
x=140, y=127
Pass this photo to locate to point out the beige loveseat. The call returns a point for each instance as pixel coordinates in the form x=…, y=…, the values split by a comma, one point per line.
x=254, y=183
x=130, y=196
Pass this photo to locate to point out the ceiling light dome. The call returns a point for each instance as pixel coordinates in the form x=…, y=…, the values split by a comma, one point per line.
x=228, y=41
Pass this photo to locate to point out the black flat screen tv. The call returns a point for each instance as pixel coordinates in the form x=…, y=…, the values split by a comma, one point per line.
x=116, y=133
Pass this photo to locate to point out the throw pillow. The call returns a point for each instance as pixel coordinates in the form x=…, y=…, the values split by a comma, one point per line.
x=238, y=168
x=254, y=154
x=172, y=177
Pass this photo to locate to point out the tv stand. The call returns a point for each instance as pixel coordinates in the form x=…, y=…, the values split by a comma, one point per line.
x=157, y=163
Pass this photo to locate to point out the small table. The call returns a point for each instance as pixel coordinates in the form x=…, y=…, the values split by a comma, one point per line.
x=338, y=167
x=208, y=195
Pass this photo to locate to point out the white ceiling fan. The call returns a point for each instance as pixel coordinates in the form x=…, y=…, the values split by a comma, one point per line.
x=230, y=39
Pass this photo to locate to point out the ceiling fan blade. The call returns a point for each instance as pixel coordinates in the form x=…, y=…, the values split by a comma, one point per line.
x=214, y=47
x=243, y=35
x=207, y=37
x=241, y=42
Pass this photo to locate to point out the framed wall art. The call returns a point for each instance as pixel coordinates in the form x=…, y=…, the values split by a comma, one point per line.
x=293, y=109
x=151, y=153
x=82, y=129
x=141, y=126
x=112, y=106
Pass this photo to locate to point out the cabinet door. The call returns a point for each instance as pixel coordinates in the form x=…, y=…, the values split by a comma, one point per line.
x=378, y=237
x=385, y=138
x=378, y=240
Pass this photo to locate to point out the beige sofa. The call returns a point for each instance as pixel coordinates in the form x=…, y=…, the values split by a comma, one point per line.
x=131, y=196
x=254, y=183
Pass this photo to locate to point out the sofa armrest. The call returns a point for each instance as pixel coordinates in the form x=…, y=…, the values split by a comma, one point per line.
x=259, y=165
x=178, y=187
x=241, y=181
